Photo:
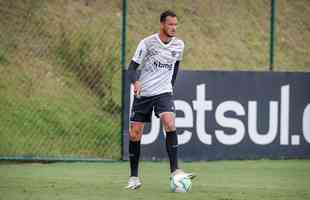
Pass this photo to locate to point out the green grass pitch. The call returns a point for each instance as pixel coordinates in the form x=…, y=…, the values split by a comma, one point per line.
x=217, y=180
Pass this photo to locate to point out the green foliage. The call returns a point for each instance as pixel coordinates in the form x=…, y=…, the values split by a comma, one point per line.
x=60, y=72
x=42, y=128
x=56, y=88
x=3, y=59
x=94, y=64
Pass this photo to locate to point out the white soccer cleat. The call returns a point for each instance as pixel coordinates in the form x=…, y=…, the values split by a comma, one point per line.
x=134, y=183
x=180, y=172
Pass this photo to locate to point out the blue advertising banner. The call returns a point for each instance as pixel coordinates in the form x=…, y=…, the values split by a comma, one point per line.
x=233, y=115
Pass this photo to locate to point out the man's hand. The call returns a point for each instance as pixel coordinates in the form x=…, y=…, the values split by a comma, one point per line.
x=137, y=88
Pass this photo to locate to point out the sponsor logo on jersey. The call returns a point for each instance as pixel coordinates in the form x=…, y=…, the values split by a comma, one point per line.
x=140, y=53
x=158, y=64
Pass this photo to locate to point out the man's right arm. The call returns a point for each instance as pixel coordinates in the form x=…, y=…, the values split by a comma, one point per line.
x=133, y=72
x=134, y=77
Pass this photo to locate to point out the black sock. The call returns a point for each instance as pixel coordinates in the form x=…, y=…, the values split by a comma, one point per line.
x=134, y=155
x=172, y=149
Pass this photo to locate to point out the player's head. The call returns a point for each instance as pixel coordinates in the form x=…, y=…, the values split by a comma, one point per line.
x=168, y=23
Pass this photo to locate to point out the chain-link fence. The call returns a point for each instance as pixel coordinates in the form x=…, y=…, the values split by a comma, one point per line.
x=60, y=80
x=293, y=36
x=230, y=35
x=60, y=70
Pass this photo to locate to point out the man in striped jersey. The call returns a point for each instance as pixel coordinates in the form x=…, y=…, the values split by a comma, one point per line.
x=153, y=70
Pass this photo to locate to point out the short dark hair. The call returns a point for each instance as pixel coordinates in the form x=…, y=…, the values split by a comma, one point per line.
x=165, y=14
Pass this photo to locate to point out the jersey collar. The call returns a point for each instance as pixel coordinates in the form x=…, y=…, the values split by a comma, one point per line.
x=163, y=44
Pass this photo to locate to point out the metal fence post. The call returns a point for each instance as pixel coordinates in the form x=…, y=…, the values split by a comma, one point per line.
x=272, y=35
x=123, y=63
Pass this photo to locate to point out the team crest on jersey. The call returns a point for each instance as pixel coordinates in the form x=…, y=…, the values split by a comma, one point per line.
x=173, y=53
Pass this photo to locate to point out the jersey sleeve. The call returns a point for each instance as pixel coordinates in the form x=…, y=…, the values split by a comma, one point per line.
x=140, y=52
x=180, y=55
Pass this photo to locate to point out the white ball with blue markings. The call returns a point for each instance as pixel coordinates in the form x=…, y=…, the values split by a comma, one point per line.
x=179, y=183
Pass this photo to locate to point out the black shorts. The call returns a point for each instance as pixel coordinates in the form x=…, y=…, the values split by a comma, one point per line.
x=143, y=106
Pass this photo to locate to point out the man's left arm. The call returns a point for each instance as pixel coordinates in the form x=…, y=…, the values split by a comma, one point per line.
x=175, y=72
x=177, y=64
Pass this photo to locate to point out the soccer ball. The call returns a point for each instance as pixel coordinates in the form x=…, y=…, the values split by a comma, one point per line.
x=180, y=183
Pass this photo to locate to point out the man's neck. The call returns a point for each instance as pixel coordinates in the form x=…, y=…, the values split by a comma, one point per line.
x=164, y=38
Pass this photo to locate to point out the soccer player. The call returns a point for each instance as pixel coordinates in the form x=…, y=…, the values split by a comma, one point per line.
x=153, y=70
